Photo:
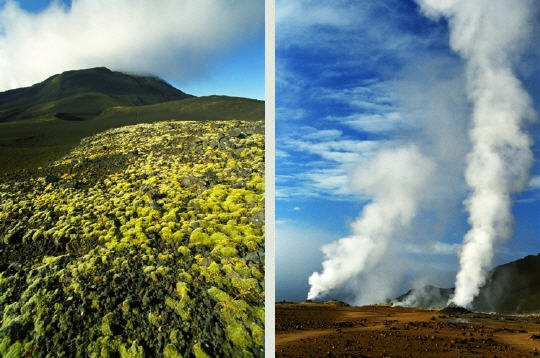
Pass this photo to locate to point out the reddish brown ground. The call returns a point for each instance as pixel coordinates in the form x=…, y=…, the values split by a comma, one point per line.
x=329, y=330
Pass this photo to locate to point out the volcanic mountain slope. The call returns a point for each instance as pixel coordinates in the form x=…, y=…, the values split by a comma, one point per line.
x=143, y=241
x=39, y=124
x=510, y=288
x=83, y=94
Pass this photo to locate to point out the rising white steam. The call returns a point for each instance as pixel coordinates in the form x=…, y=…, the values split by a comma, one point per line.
x=489, y=35
x=395, y=180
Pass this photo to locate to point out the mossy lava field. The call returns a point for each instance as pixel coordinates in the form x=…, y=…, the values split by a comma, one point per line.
x=143, y=241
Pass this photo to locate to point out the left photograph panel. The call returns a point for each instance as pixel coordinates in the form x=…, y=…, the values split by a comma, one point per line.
x=132, y=178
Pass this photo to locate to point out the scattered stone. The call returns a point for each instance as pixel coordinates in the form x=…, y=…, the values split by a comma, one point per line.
x=51, y=179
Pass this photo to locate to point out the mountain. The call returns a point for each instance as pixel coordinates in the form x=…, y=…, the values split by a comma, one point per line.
x=84, y=93
x=39, y=124
x=510, y=288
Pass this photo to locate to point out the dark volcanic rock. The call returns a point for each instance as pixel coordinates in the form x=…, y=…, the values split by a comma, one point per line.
x=51, y=178
x=453, y=309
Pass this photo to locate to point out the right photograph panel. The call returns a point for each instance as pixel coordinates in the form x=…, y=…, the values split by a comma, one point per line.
x=407, y=177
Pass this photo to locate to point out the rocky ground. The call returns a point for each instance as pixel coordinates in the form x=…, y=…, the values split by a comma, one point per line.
x=333, y=330
x=146, y=240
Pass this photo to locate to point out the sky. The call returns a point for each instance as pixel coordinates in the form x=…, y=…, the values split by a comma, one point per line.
x=202, y=47
x=379, y=105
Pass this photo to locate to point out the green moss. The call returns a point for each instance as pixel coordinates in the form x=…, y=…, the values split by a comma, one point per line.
x=257, y=333
x=166, y=233
x=4, y=346
x=154, y=318
x=218, y=294
x=219, y=238
x=237, y=334
x=134, y=351
x=103, y=346
x=185, y=251
x=241, y=268
x=212, y=271
x=170, y=351
x=174, y=335
x=150, y=268
x=252, y=245
x=228, y=251
x=126, y=307
x=199, y=237
x=199, y=352
x=47, y=260
x=16, y=350
x=162, y=271
x=106, y=324
x=121, y=247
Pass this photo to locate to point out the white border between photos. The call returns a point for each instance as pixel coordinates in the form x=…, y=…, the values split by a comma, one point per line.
x=269, y=140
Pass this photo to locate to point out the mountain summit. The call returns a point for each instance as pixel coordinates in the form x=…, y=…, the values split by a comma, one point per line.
x=82, y=94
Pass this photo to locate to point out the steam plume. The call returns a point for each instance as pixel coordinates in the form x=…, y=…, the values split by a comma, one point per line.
x=394, y=178
x=488, y=35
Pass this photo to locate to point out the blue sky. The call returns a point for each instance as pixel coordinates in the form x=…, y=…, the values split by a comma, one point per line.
x=358, y=78
x=201, y=47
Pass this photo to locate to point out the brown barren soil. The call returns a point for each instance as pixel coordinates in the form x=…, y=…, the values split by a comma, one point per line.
x=332, y=330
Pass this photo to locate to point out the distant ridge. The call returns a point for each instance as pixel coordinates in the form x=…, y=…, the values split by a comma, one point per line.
x=510, y=288
x=425, y=297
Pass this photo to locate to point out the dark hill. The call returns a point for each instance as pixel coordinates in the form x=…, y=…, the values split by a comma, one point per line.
x=510, y=288
x=83, y=93
x=39, y=124
x=426, y=297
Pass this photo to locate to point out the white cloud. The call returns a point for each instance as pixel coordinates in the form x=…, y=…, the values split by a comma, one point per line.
x=373, y=106
x=344, y=151
x=173, y=39
x=294, y=28
x=534, y=183
x=325, y=134
x=321, y=14
x=281, y=154
x=332, y=157
x=373, y=123
x=332, y=181
x=317, y=24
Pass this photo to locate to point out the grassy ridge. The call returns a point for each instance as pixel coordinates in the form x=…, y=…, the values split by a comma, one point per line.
x=36, y=141
x=145, y=240
x=197, y=108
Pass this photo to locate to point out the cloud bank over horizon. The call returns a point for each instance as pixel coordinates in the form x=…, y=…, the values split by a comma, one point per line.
x=177, y=40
